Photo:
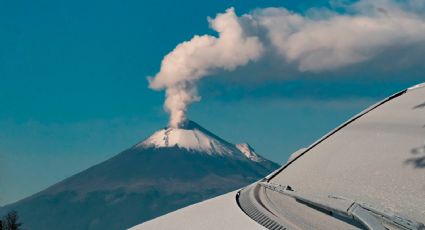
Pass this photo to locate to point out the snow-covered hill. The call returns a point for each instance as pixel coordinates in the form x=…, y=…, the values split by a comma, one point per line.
x=191, y=137
x=194, y=138
x=249, y=152
x=170, y=169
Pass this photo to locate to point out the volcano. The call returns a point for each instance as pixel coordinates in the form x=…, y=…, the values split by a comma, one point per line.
x=172, y=168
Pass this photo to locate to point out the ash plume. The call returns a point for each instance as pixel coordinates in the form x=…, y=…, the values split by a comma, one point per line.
x=199, y=57
x=319, y=40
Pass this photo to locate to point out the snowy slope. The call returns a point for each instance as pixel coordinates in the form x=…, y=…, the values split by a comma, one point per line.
x=189, y=139
x=193, y=137
x=169, y=170
x=249, y=152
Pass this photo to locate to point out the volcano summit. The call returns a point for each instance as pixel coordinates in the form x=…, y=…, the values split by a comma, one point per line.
x=172, y=168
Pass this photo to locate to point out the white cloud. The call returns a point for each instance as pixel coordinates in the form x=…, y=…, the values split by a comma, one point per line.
x=337, y=40
x=321, y=40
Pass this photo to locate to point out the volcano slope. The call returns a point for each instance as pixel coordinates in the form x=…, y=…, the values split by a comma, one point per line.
x=171, y=169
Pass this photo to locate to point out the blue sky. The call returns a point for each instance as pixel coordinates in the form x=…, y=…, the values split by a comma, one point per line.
x=73, y=88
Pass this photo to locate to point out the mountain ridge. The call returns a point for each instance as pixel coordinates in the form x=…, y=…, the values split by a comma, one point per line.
x=136, y=185
x=191, y=136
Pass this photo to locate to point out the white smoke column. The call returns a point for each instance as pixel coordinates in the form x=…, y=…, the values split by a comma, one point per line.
x=178, y=98
x=197, y=58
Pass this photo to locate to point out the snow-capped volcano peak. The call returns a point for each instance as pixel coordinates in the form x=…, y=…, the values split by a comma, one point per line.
x=190, y=136
x=249, y=152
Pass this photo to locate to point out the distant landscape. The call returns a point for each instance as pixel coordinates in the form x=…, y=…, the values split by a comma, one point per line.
x=99, y=98
x=173, y=168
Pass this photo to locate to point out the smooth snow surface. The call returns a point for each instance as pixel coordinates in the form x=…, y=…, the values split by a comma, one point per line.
x=190, y=139
x=249, y=152
x=417, y=86
x=379, y=159
x=296, y=154
x=218, y=213
x=193, y=137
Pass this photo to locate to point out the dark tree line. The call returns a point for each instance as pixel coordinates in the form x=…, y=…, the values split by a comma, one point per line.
x=10, y=221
